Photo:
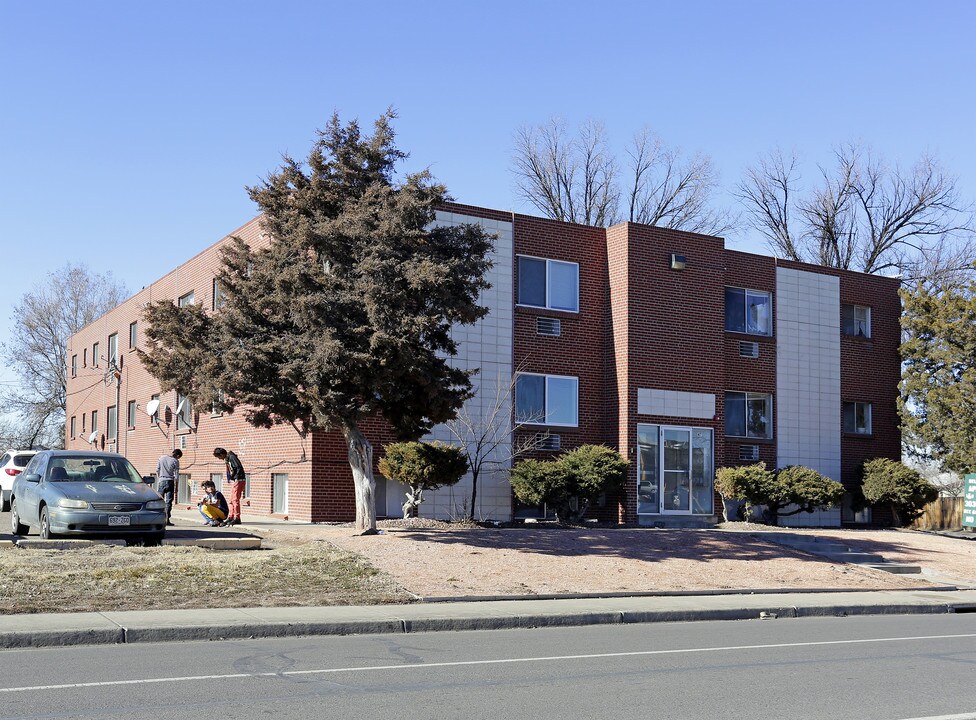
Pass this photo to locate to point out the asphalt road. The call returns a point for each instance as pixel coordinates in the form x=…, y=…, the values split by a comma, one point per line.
x=872, y=668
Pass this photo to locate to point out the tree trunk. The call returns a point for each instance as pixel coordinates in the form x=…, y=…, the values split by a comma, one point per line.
x=361, y=462
x=474, y=493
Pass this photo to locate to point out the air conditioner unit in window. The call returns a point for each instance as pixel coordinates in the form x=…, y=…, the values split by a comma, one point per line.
x=548, y=442
x=748, y=349
x=548, y=326
x=748, y=452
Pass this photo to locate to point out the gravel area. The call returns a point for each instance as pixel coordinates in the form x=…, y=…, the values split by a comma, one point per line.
x=438, y=560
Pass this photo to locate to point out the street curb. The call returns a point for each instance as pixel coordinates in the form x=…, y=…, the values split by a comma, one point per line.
x=245, y=543
x=402, y=624
x=248, y=543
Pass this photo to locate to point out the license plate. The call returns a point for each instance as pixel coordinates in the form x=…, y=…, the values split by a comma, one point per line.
x=119, y=519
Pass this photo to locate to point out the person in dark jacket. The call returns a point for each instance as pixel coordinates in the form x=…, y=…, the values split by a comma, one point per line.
x=236, y=478
x=167, y=475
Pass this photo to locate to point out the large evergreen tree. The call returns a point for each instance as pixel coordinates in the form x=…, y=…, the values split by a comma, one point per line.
x=938, y=387
x=346, y=314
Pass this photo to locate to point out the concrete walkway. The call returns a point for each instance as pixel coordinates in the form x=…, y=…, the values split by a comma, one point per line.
x=59, y=629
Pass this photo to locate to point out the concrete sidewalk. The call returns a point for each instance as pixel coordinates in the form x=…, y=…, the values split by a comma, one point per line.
x=17, y=631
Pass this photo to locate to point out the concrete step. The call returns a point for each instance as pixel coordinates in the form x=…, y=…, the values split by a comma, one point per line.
x=896, y=568
x=854, y=558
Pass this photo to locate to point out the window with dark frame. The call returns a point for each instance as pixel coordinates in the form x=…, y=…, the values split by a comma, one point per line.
x=74, y=427
x=131, y=413
x=154, y=418
x=74, y=365
x=133, y=334
x=857, y=320
x=112, y=417
x=748, y=311
x=549, y=284
x=546, y=399
x=95, y=355
x=749, y=415
x=857, y=418
x=185, y=300
x=218, y=295
x=113, y=349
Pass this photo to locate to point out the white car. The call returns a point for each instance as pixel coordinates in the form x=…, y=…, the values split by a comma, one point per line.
x=12, y=464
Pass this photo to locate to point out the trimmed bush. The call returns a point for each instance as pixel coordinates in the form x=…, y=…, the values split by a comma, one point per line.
x=792, y=485
x=572, y=482
x=901, y=489
x=422, y=466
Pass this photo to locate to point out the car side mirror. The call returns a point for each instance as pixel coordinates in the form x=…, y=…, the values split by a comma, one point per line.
x=149, y=480
x=32, y=478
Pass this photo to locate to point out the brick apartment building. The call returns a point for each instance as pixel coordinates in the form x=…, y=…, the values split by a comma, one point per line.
x=683, y=355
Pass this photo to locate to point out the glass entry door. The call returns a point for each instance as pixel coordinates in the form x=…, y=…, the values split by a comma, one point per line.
x=676, y=470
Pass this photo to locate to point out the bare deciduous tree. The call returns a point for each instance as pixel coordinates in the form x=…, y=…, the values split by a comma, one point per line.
x=568, y=179
x=484, y=430
x=864, y=215
x=64, y=302
x=669, y=192
x=577, y=179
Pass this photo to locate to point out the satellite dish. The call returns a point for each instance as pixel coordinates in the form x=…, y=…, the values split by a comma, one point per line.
x=93, y=437
x=152, y=407
x=179, y=408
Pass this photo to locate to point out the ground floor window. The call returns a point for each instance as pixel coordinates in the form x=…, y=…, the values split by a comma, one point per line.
x=279, y=493
x=218, y=480
x=184, y=489
x=675, y=470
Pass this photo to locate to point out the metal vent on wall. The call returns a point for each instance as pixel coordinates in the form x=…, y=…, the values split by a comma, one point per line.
x=748, y=452
x=748, y=349
x=548, y=442
x=548, y=326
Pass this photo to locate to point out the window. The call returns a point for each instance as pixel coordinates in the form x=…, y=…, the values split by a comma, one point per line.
x=857, y=418
x=133, y=335
x=184, y=489
x=551, y=284
x=218, y=480
x=113, y=349
x=279, y=493
x=113, y=423
x=74, y=366
x=83, y=416
x=94, y=420
x=84, y=357
x=74, y=427
x=748, y=311
x=130, y=421
x=217, y=407
x=218, y=295
x=857, y=320
x=184, y=412
x=748, y=414
x=154, y=418
x=546, y=399
x=95, y=355
x=185, y=299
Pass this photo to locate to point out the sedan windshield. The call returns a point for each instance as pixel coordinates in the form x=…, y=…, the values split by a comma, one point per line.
x=88, y=468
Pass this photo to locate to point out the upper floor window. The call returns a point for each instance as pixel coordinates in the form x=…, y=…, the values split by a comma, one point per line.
x=94, y=427
x=749, y=414
x=130, y=414
x=133, y=334
x=113, y=423
x=748, y=311
x=154, y=417
x=546, y=399
x=218, y=295
x=95, y=355
x=184, y=412
x=857, y=320
x=551, y=284
x=113, y=349
x=185, y=299
x=74, y=427
x=857, y=418
x=74, y=366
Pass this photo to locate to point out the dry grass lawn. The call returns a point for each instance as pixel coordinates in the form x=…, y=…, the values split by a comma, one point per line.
x=103, y=577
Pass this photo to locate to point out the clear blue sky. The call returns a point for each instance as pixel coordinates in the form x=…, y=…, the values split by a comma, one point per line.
x=130, y=129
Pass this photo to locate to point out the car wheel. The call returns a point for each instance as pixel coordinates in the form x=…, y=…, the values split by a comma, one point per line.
x=16, y=527
x=45, y=529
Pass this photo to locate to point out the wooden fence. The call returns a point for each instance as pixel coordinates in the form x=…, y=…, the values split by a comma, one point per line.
x=943, y=514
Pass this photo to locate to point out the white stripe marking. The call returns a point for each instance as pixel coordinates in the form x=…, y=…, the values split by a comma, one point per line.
x=502, y=661
x=964, y=716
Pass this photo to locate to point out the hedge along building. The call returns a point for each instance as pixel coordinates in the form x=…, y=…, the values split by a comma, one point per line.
x=683, y=355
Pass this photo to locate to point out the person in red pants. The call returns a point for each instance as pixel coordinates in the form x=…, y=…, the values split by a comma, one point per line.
x=235, y=484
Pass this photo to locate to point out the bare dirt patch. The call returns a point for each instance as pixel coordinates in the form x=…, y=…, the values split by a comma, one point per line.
x=443, y=561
